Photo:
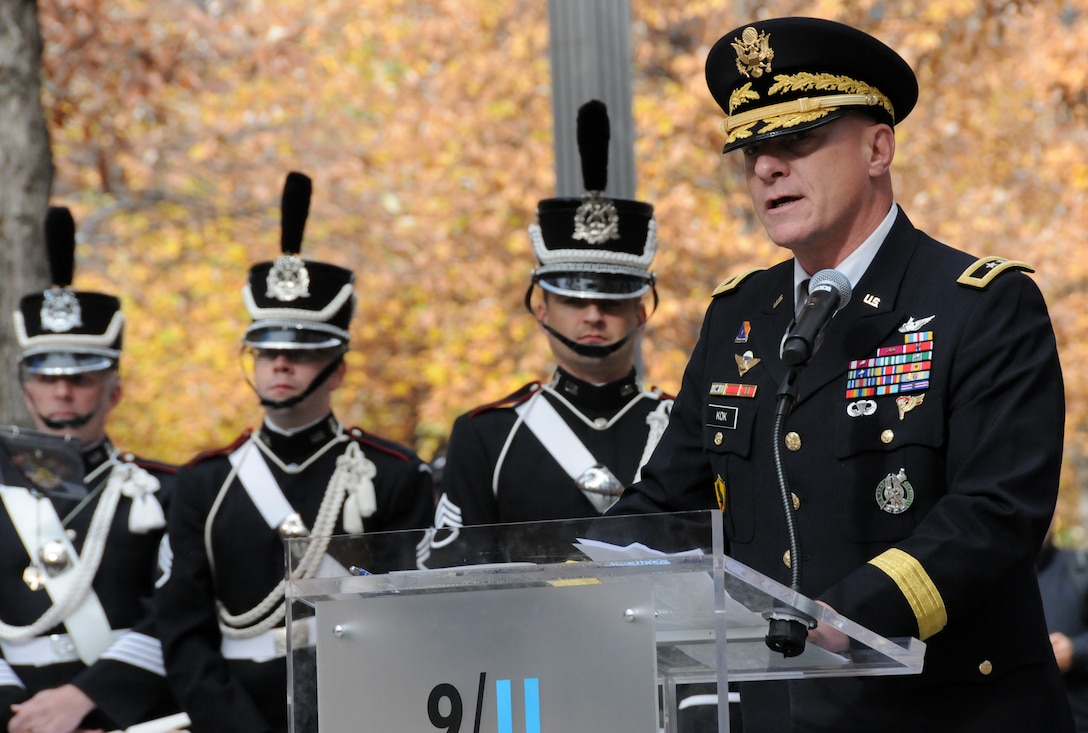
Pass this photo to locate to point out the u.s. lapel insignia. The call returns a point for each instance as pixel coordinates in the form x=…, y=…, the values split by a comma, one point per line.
x=906, y=403
x=746, y=361
x=911, y=325
x=894, y=494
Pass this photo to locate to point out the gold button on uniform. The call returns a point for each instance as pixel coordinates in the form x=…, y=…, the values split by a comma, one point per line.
x=718, y=438
x=796, y=501
x=887, y=436
x=986, y=666
x=786, y=559
x=793, y=441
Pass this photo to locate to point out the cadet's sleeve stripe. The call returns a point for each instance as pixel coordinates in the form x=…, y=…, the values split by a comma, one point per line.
x=8, y=678
x=982, y=272
x=917, y=587
x=732, y=282
x=139, y=650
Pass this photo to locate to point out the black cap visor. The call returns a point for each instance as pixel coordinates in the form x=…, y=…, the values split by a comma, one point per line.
x=291, y=337
x=594, y=285
x=65, y=363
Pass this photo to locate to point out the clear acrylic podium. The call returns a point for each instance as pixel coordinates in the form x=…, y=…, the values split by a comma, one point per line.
x=584, y=625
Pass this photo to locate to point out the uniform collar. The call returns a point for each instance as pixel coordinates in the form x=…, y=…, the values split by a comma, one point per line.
x=298, y=444
x=594, y=397
x=857, y=262
x=96, y=455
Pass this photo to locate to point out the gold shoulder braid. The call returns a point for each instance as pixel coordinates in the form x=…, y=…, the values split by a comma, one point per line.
x=982, y=272
x=730, y=283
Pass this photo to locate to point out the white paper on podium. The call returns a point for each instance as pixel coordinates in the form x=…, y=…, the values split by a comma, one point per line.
x=685, y=610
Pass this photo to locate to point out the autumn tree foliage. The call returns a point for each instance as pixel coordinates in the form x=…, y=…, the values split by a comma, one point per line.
x=426, y=127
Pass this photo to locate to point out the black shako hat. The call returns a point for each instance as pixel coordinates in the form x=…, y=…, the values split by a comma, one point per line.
x=784, y=75
x=594, y=246
x=297, y=303
x=61, y=331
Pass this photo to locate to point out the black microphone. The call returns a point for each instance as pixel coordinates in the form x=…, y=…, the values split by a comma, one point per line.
x=828, y=291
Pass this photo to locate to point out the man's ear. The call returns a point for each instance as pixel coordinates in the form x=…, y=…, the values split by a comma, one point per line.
x=336, y=379
x=881, y=149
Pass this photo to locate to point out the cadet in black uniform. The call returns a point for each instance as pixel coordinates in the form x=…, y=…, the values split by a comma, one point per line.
x=565, y=448
x=221, y=604
x=76, y=573
x=924, y=442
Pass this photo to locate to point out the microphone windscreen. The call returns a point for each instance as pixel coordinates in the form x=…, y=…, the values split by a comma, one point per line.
x=834, y=281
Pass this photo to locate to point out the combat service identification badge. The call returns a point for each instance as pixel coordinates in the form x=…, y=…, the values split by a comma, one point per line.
x=894, y=494
x=288, y=279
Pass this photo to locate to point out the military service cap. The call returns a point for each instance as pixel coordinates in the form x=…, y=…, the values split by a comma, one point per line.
x=297, y=303
x=594, y=246
x=61, y=331
x=785, y=75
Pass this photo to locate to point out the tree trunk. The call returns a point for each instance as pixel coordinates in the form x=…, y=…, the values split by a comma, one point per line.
x=26, y=177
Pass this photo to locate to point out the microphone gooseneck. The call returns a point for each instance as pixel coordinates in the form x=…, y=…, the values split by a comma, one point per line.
x=829, y=290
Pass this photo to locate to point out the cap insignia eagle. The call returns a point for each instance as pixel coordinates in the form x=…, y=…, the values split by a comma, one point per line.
x=754, y=53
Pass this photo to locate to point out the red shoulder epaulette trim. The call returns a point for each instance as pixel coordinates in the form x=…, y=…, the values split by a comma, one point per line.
x=509, y=400
x=221, y=451
x=360, y=436
x=662, y=394
x=148, y=464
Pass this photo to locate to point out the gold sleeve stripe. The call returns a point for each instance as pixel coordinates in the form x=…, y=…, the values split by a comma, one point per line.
x=917, y=587
x=982, y=272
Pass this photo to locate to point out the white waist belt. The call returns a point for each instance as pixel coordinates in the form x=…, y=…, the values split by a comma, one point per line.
x=271, y=644
x=45, y=650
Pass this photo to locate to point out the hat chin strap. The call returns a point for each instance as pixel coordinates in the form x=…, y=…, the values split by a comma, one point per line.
x=591, y=351
x=320, y=379
x=587, y=350
x=76, y=422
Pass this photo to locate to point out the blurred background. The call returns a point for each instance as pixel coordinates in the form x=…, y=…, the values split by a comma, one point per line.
x=427, y=129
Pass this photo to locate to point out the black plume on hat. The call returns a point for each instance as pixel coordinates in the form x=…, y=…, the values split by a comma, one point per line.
x=297, y=303
x=60, y=245
x=594, y=246
x=62, y=331
x=295, y=208
x=594, y=134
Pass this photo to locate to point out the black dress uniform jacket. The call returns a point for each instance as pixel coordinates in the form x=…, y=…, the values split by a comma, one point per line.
x=532, y=486
x=232, y=695
x=981, y=453
x=132, y=687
